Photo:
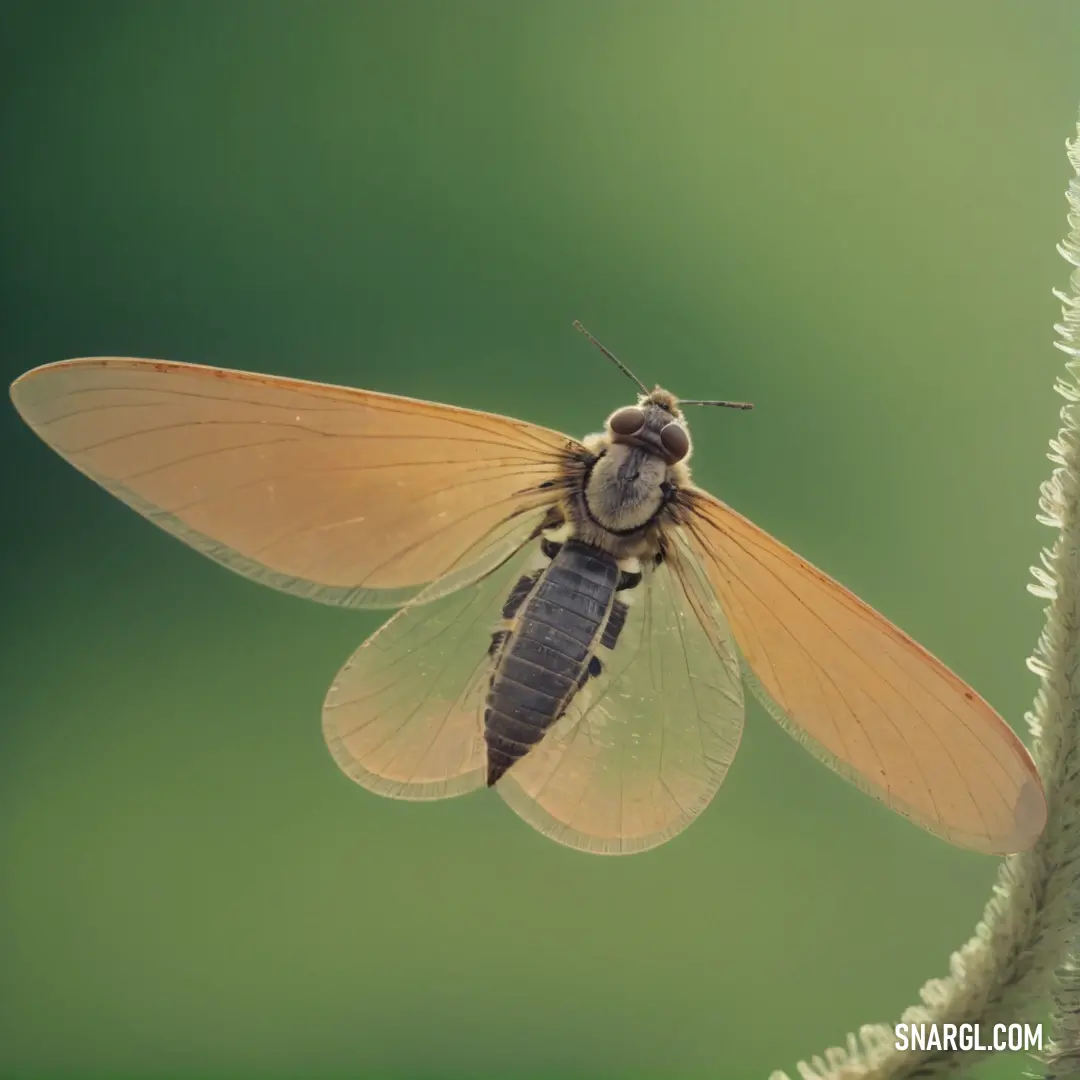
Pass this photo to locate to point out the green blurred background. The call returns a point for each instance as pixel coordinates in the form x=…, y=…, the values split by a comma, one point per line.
x=844, y=212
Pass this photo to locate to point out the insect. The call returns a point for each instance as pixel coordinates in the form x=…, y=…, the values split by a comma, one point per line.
x=576, y=619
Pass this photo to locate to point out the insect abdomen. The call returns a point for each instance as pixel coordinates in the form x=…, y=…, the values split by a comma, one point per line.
x=548, y=655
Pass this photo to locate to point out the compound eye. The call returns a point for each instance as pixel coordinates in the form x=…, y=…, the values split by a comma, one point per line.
x=628, y=421
x=676, y=441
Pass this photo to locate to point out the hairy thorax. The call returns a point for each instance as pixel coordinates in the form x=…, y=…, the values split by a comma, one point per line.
x=624, y=491
x=621, y=499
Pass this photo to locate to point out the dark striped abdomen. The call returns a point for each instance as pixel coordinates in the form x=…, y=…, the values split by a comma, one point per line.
x=548, y=655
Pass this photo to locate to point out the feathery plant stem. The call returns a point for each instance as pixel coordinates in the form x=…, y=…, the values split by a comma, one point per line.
x=1006, y=972
x=1063, y=1055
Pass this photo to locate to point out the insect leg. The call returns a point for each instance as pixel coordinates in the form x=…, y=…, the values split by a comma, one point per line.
x=615, y=623
x=518, y=593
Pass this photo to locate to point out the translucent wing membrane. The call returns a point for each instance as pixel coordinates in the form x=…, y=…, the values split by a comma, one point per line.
x=347, y=496
x=864, y=697
x=369, y=500
x=405, y=716
x=646, y=743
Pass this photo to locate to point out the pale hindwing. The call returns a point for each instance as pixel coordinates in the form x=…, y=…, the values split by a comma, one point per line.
x=644, y=745
x=345, y=496
x=405, y=715
x=863, y=696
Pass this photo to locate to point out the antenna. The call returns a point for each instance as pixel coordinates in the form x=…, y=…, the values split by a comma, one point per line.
x=723, y=404
x=644, y=389
x=612, y=357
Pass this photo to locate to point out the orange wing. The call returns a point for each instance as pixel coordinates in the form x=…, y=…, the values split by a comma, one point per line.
x=863, y=696
x=346, y=496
